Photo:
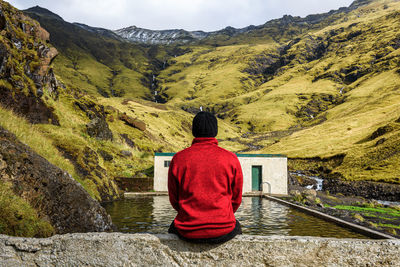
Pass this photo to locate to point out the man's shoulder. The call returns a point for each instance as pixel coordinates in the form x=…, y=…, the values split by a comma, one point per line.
x=188, y=152
x=181, y=153
x=227, y=152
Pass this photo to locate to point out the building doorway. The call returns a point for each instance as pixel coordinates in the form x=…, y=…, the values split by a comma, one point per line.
x=256, y=178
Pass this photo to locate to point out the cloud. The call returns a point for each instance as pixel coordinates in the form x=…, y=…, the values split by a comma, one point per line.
x=205, y=15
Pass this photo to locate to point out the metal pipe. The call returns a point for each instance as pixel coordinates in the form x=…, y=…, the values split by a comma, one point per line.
x=269, y=187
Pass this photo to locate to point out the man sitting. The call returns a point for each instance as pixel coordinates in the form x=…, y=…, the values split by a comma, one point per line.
x=205, y=187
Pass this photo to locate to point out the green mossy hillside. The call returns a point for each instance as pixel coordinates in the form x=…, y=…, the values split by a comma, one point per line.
x=320, y=90
x=318, y=95
x=314, y=90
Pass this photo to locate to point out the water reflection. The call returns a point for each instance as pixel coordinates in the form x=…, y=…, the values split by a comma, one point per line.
x=261, y=216
x=257, y=216
x=163, y=213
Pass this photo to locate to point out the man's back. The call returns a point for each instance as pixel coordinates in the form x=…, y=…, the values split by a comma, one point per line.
x=205, y=187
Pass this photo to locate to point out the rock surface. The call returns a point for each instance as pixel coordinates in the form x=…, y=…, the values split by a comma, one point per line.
x=136, y=123
x=99, y=129
x=116, y=249
x=51, y=191
x=25, y=58
x=367, y=189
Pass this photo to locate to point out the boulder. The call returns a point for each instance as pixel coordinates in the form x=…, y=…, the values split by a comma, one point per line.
x=294, y=193
x=128, y=141
x=381, y=131
x=51, y=191
x=105, y=155
x=136, y=123
x=310, y=192
x=22, y=97
x=99, y=129
x=126, y=153
x=310, y=196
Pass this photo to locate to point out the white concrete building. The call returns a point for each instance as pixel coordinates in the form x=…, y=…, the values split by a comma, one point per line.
x=261, y=172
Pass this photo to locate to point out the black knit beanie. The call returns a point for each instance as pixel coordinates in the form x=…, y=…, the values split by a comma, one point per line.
x=204, y=125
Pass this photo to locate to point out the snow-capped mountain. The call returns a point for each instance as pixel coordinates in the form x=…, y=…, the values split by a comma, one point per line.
x=135, y=34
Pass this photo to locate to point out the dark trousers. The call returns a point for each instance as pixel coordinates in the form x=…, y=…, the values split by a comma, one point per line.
x=215, y=240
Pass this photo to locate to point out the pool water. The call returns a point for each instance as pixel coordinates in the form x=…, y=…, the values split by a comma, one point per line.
x=257, y=216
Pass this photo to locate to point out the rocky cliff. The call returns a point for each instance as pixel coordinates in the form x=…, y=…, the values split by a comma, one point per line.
x=25, y=57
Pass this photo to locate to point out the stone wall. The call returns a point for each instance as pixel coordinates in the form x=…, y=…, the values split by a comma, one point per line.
x=116, y=249
x=135, y=184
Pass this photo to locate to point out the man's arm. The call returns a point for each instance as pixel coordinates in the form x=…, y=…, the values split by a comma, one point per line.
x=173, y=187
x=237, y=186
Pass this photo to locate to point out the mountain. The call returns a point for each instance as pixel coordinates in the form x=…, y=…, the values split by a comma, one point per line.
x=146, y=36
x=81, y=45
x=306, y=73
x=327, y=95
x=99, y=31
x=231, y=35
x=323, y=90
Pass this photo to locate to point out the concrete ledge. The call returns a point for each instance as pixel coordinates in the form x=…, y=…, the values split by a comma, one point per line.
x=128, y=195
x=117, y=249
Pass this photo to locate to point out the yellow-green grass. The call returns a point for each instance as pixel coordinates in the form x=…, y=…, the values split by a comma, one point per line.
x=386, y=211
x=209, y=75
x=18, y=218
x=371, y=102
x=41, y=139
x=91, y=76
x=214, y=78
x=367, y=108
x=129, y=82
x=168, y=129
x=31, y=135
x=73, y=137
x=87, y=74
x=372, y=105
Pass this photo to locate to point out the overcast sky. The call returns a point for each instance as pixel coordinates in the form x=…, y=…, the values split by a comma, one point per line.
x=206, y=15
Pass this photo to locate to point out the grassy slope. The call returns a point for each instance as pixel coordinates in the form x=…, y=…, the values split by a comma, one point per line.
x=371, y=102
x=213, y=78
x=17, y=217
x=270, y=110
x=88, y=60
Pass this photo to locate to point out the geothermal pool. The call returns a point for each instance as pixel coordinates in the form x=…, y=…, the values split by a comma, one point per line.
x=257, y=216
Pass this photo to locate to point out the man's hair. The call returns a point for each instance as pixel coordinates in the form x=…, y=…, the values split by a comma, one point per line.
x=205, y=124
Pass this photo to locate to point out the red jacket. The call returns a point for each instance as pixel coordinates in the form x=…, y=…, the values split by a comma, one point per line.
x=205, y=186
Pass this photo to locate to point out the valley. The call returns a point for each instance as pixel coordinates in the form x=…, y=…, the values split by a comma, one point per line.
x=323, y=89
